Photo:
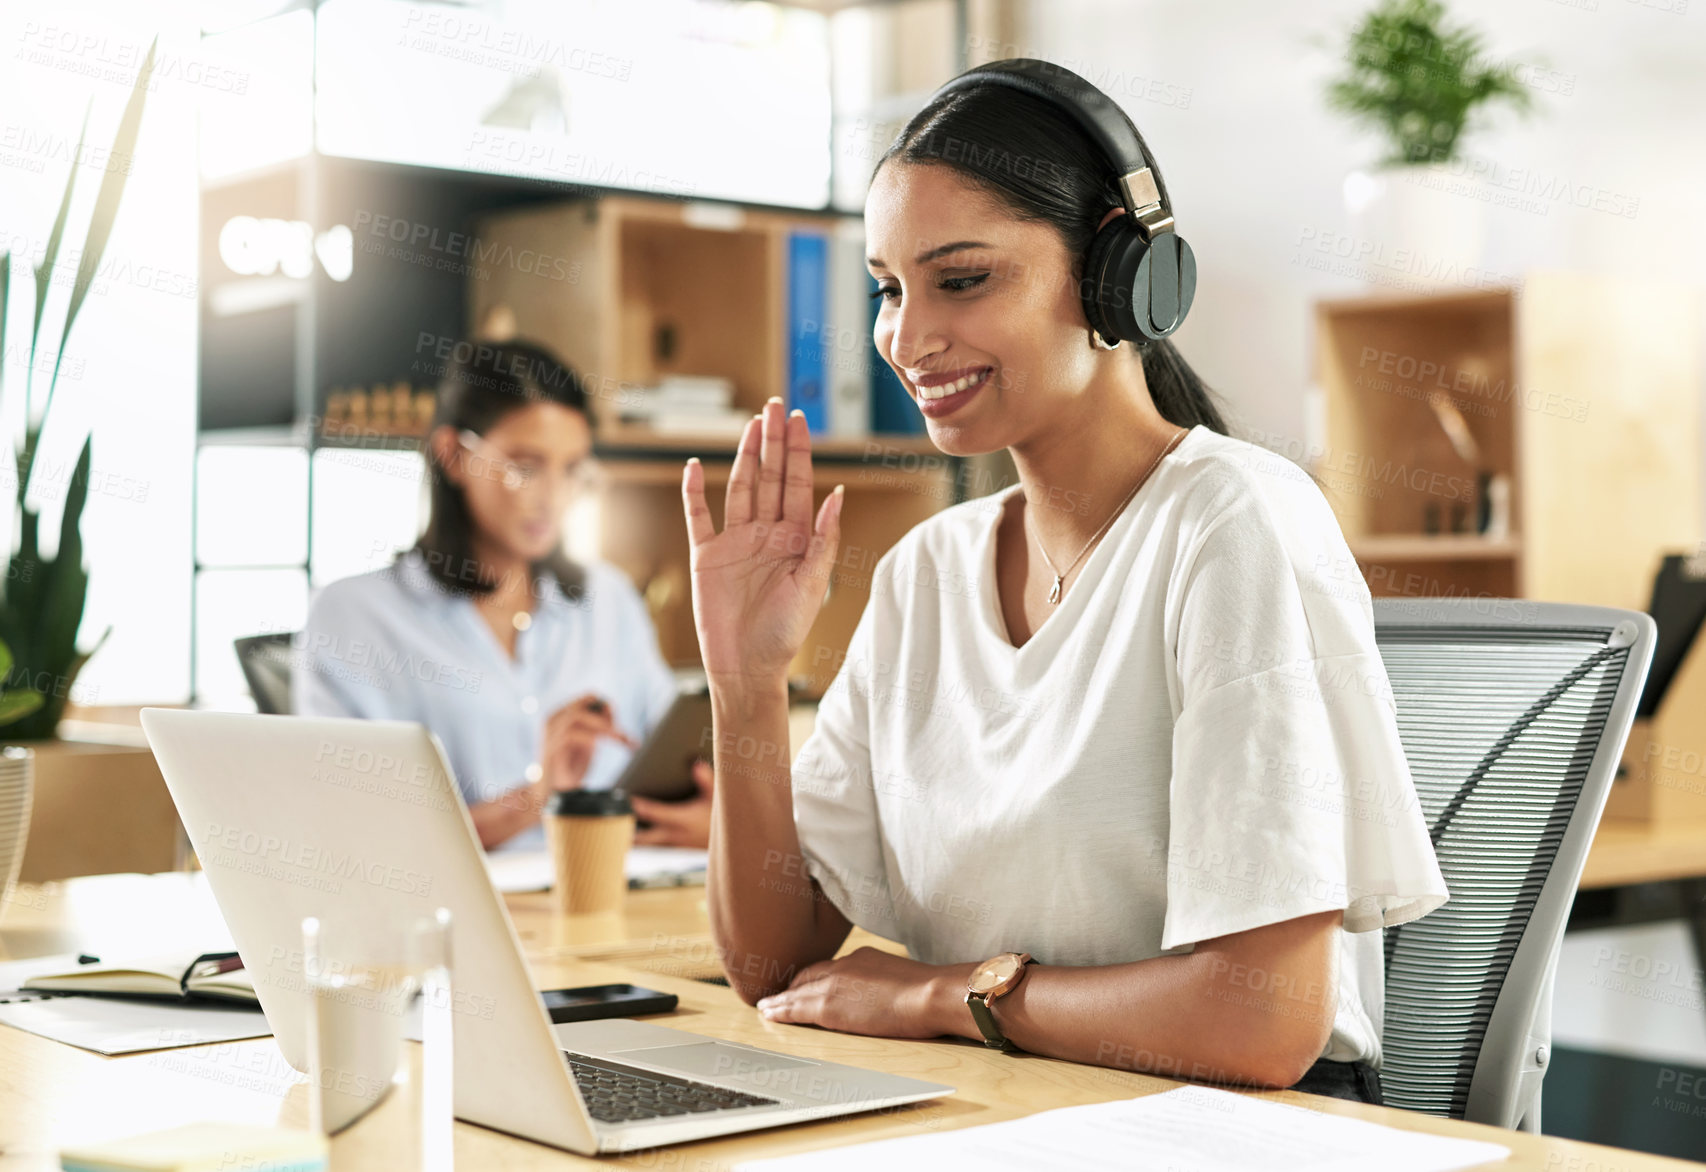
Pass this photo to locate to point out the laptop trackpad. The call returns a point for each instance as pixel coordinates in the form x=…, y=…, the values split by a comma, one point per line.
x=713, y=1059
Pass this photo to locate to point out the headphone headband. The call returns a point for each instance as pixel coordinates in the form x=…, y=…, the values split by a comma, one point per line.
x=1141, y=185
x=1140, y=275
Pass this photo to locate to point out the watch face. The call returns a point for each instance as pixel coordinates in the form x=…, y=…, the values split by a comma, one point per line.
x=994, y=973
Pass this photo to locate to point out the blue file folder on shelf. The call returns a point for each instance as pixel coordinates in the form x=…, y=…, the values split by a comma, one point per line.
x=808, y=356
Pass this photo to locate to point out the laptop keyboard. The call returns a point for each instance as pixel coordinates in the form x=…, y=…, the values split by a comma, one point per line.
x=615, y=1093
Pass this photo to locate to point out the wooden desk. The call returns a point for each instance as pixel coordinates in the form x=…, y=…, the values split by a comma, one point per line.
x=56, y=1094
x=1626, y=852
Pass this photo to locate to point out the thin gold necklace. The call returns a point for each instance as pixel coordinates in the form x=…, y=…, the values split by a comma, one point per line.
x=520, y=619
x=1060, y=575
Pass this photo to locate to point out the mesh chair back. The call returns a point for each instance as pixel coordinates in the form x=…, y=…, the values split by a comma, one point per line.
x=265, y=660
x=1512, y=716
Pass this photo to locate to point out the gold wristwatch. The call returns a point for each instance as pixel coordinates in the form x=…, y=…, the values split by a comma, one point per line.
x=993, y=978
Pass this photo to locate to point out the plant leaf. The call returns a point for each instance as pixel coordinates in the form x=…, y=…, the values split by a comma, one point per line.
x=29, y=543
x=51, y=257
x=76, y=495
x=65, y=583
x=18, y=611
x=5, y=660
x=100, y=229
x=106, y=200
x=17, y=705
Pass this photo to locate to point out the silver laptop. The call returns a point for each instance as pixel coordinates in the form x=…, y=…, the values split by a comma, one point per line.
x=295, y=816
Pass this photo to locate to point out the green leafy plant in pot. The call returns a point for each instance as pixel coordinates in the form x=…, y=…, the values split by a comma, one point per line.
x=1419, y=82
x=42, y=598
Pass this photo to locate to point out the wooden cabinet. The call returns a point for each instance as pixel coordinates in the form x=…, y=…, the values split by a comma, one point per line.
x=1582, y=393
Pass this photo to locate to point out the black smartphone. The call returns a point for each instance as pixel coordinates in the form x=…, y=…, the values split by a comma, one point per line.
x=590, y=1002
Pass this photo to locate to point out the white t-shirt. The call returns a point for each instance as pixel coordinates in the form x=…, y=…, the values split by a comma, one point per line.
x=1199, y=740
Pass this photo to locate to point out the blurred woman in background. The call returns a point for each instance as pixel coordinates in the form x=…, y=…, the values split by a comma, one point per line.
x=536, y=672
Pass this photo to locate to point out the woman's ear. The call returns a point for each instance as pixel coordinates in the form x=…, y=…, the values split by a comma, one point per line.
x=447, y=452
x=1113, y=213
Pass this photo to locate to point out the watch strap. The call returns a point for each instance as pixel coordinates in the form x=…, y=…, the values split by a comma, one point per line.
x=992, y=1035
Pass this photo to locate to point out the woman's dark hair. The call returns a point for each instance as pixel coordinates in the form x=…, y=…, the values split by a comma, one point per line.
x=484, y=382
x=1036, y=160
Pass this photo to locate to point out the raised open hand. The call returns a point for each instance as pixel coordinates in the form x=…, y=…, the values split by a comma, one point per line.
x=758, y=585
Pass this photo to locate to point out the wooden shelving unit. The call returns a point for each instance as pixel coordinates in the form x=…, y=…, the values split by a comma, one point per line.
x=662, y=287
x=617, y=438
x=1581, y=391
x=658, y=287
x=1432, y=547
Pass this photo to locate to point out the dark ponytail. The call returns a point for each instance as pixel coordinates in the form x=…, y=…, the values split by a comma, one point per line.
x=1038, y=162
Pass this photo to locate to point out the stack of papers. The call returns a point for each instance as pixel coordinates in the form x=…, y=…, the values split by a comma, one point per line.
x=684, y=403
x=1198, y=1128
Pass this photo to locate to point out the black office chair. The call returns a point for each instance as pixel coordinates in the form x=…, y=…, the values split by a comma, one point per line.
x=265, y=660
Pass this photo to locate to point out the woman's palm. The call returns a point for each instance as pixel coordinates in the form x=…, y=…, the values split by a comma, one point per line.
x=758, y=585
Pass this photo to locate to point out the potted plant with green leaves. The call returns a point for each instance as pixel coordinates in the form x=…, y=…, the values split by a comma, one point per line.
x=42, y=598
x=1422, y=85
x=17, y=781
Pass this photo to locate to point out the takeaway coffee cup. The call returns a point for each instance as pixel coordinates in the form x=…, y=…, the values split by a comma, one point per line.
x=589, y=832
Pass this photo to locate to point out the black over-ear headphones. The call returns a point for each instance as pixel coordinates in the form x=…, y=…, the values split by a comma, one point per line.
x=1139, y=274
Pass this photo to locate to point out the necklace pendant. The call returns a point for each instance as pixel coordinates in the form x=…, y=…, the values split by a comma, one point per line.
x=1054, y=592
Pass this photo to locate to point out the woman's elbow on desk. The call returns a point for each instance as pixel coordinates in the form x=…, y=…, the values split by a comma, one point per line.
x=1274, y=1059
x=765, y=955
x=755, y=972
x=1271, y=996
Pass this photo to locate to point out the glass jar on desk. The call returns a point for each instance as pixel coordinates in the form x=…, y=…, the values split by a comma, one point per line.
x=367, y=980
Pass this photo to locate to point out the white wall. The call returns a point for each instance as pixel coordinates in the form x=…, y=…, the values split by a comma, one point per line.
x=1228, y=94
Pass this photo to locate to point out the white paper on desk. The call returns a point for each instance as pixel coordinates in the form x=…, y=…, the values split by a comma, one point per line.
x=1194, y=1128
x=123, y=1025
x=517, y=871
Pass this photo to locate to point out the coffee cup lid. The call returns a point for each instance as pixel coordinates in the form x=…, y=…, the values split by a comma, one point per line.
x=589, y=803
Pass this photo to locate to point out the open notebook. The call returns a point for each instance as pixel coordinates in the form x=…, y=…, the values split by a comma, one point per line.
x=214, y=976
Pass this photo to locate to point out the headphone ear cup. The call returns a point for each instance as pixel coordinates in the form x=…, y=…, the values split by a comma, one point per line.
x=1164, y=283
x=1107, y=298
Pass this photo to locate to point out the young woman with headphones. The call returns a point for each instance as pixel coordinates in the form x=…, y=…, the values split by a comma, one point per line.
x=1113, y=752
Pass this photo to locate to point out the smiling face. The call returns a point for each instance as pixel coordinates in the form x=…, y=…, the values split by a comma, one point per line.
x=980, y=315
x=519, y=476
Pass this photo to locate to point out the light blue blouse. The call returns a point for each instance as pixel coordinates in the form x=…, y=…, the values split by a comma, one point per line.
x=394, y=645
